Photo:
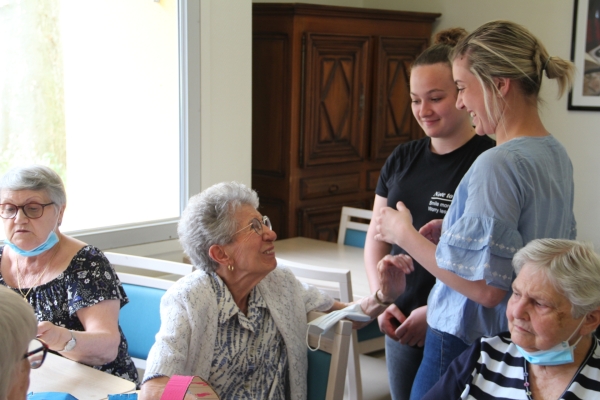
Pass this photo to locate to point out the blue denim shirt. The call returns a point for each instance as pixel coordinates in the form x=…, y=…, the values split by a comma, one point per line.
x=514, y=193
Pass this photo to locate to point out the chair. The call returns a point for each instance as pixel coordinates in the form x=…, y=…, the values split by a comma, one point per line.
x=145, y=266
x=354, y=233
x=337, y=283
x=140, y=318
x=327, y=366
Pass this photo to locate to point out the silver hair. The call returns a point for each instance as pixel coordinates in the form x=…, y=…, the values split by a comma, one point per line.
x=37, y=178
x=571, y=266
x=209, y=219
x=18, y=325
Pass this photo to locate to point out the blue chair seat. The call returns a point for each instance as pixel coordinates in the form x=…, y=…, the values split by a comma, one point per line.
x=140, y=318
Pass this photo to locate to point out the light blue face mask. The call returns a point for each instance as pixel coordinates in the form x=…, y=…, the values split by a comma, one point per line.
x=321, y=325
x=560, y=354
x=47, y=245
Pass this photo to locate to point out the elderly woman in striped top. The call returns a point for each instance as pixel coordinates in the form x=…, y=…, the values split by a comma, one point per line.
x=551, y=351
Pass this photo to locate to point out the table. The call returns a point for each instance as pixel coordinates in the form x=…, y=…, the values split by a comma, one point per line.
x=326, y=254
x=59, y=374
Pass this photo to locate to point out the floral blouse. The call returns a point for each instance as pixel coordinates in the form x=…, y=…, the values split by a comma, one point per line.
x=88, y=280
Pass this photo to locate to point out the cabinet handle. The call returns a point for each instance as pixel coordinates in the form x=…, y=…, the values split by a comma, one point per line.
x=333, y=188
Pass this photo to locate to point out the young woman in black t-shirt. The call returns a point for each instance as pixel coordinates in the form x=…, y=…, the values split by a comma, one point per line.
x=423, y=174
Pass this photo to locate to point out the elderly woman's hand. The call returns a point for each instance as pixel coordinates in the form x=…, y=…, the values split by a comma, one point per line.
x=54, y=336
x=98, y=344
x=392, y=272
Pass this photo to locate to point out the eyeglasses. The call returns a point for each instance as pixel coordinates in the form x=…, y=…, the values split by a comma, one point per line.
x=31, y=210
x=36, y=353
x=257, y=225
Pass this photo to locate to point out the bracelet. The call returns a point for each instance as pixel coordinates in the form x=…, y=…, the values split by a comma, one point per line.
x=381, y=303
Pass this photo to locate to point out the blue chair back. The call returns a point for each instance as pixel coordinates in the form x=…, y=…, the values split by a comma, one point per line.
x=318, y=374
x=353, y=232
x=371, y=331
x=140, y=318
x=355, y=238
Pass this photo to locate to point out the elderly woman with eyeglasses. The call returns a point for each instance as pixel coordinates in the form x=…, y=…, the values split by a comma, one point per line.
x=19, y=349
x=238, y=322
x=71, y=286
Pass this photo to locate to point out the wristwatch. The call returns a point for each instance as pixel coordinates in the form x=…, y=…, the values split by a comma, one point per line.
x=70, y=345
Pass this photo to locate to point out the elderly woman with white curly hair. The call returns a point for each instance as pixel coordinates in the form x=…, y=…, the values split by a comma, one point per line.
x=238, y=321
x=551, y=351
x=19, y=349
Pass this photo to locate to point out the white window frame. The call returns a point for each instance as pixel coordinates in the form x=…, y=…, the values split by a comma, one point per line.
x=189, y=21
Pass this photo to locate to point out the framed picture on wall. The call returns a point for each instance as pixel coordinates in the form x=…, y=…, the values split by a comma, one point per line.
x=585, y=53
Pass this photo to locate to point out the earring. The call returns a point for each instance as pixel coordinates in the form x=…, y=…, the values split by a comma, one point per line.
x=230, y=267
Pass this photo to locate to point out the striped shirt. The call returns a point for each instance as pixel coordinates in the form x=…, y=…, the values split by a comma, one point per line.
x=492, y=368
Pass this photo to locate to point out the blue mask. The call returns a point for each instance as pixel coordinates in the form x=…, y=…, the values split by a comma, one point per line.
x=47, y=245
x=560, y=354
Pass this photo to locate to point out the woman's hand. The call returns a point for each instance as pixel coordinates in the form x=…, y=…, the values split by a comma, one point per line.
x=98, y=343
x=413, y=329
x=154, y=388
x=392, y=276
x=391, y=224
x=54, y=336
x=392, y=272
x=390, y=320
x=432, y=230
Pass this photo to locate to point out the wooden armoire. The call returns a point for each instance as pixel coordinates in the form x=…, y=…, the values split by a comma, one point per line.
x=330, y=101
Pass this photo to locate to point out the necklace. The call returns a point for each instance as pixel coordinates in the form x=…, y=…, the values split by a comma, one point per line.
x=37, y=281
x=526, y=383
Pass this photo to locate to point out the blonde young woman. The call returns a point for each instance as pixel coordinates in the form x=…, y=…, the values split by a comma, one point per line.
x=519, y=191
x=424, y=175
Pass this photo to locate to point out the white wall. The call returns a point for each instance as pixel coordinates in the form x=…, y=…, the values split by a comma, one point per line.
x=226, y=86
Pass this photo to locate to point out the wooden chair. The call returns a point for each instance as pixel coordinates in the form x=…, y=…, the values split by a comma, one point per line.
x=146, y=266
x=327, y=366
x=145, y=281
x=354, y=233
x=337, y=283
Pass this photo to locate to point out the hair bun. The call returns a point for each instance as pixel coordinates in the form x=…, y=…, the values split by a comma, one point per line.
x=450, y=36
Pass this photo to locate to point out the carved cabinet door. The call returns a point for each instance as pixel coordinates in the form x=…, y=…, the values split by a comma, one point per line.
x=336, y=102
x=393, y=122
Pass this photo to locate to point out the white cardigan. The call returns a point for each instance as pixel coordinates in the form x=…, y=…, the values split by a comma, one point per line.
x=188, y=312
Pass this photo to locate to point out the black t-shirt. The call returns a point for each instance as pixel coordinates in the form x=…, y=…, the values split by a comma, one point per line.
x=425, y=182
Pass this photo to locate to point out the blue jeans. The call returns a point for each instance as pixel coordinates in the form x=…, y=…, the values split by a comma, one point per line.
x=440, y=349
x=402, y=364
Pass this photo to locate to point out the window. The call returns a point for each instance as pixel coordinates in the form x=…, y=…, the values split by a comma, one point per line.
x=94, y=90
